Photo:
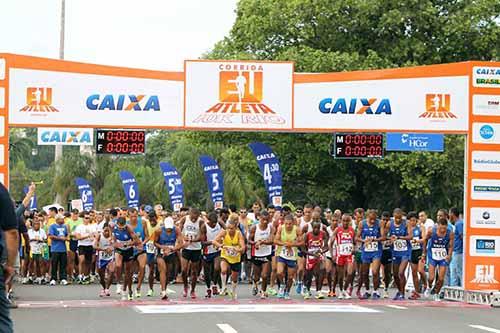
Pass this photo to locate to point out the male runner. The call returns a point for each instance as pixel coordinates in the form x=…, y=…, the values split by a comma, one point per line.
x=304, y=227
x=400, y=234
x=289, y=239
x=140, y=257
x=331, y=257
x=417, y=265
x=359, y=215
x=103, y=244
x=439, y=244
x=151, y=226
x=344, y=237
x=370, y=233
x=193, y=231
x=261, y=239
x=211, y=255
x=124, y=238
x=85, y=234
x=316, y=244
x=386, y=259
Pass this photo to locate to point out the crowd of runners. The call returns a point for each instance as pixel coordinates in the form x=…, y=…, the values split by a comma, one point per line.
x=277, y=251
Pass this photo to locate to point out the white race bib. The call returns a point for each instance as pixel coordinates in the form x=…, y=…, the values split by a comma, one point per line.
x=150, y=247
x=103, y=255
x=231, y=252
x=287, y=253
x=36, y=248
x=345, y=249
x=371, y=247
x=415, y=244
x=400, y=245
x=439, y=253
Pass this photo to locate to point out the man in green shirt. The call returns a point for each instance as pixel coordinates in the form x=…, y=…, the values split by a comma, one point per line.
x=74, y=221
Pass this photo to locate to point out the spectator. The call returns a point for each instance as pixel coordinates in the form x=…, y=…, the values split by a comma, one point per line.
x=58, y=233
x=458, y=249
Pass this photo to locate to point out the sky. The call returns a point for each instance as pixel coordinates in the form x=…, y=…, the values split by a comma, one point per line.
x=149, y=34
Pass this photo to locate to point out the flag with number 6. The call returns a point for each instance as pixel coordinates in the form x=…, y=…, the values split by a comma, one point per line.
x=174, y=185
x=271, y=171
x=131, y=188
x=85, y=193
x=213, y=175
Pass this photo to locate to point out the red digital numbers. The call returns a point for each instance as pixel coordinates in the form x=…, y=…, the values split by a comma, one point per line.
x=359, y=145
x=121, y=142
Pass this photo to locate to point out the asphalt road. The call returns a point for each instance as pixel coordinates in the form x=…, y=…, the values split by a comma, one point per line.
x=79, y=309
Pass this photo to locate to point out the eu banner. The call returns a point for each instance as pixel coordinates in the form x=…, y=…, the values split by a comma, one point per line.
x=270, y=168
x=85, y=193
x=174, y=185
x=213, y=175
x=131, y=188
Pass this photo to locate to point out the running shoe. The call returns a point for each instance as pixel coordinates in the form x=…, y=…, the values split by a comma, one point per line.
x=332, y=294
x=118, y=289
x=107, y=292
x=427, y=293
x=307, y=295
x=347, y=295
x=298, y=289
x=102, y=293
x=281, y=293
x=215, y=290
x=286, y=295
x=164, y=295
x=349, y=291
x=150, y=293
x=320, y=295
x=385, y=294
x=376, y=295
x=209, y=293
x=272, y=291
x=234, y=296
x=193, y=295
x=185, y=293
x=224, y=292
x=263, y=295
x=437, y=298
x=52, y=282
x=64, y=282
x=414, y=296
x=130, y=297
x=341, y=295
x=255, y=291
x=137, y=294
x=358, y=294
x=364, y=296
x=397, y=296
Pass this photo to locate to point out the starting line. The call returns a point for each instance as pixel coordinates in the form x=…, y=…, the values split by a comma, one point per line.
x=254, y=308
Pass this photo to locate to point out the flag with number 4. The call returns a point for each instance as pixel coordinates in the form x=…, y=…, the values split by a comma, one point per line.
x=213, y=175
x=174, y=185
x=271, y=172
x=131, y=188
x=85, y=193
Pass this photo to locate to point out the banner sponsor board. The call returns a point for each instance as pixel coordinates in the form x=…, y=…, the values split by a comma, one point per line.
x=486, y=105
x=74, y=99
x=414, y=142
x=484, y=246
x=485, y=189
x=435, y=103
x=485, y=217
x=486, y=133
x=486, y=77
x=65, y=136
x=485, y=161
x=239, y=94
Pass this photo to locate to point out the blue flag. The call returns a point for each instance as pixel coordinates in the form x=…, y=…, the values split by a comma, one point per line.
x=174, y=185
x=213, y=175
x=85, y=193
x=33, y=202
x=131, y=189
x=270, y=168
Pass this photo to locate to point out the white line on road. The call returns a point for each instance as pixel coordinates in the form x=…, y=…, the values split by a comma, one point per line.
x=397, y=307
x=484, y=328
x=226, y=328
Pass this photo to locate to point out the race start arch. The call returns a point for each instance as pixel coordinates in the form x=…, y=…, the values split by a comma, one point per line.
x=458, y=98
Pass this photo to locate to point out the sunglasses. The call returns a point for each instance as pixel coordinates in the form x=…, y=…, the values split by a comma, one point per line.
x=87, y=218
x=298, y=211
x=243, y=211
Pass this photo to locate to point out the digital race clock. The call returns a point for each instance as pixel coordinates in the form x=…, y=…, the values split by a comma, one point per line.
x=120, y=142
x=358, y=145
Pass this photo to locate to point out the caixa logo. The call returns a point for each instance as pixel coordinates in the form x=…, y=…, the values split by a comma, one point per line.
x=123, y=102
x=355, y=106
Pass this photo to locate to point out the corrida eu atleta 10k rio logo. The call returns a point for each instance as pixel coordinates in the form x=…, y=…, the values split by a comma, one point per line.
x=39, y=99
x=241, y=95
x=437, y=106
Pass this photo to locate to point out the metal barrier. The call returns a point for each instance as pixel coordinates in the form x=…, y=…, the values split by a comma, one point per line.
x=483, y=297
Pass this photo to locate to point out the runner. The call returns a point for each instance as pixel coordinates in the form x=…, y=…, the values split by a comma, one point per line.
x=330, y=258
x=73, y=222
x=37, y=239
x=304, y=227
x=359, y=215
x=140, y=257
x=261, y=240
x=289, y=239
x=439, y=244
x=168, y=240
x=124, y=238
x=370, y=233
x=193, y=231
x=400, y=234
x=151, y=227
x=386, y=259
x=344, y=237
x=85, y=234
x=232, y=243
x=316, y=245
x=103, y=244
x=417, y=265
x=211, y=255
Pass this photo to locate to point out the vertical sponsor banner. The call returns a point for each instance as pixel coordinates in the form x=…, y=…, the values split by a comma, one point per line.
x=174, y=185
x=32, y=203
x=482, y=215
x=270, y=168
x=85, y=193
x=215, y=182
x=131, y=188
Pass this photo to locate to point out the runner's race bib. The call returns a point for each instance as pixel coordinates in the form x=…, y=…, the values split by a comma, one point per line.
x=371, y=247
x=287, y=253
x=150, y=247
x=231, y=252
x=400, y=245
x=439, y=253
x=165, y=252
x=415, y=244
x=345, y=249
x=103, y=255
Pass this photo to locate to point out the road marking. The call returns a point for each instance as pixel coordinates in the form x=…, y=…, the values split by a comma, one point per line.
x=399, y=307
x=193, y=308
x=226, y=328
x=484, y=328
